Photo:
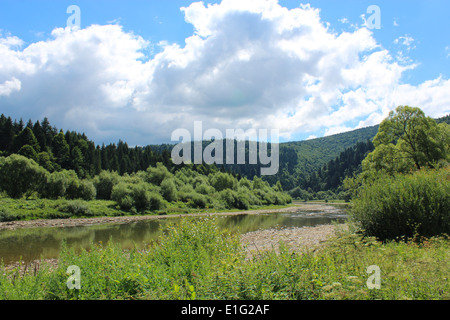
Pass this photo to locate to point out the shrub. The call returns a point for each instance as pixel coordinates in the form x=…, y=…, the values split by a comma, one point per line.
x=104, y=183
x=282, y=198
x=221, y=181
x=77, y=208
x=299, y=193
x=86, y=190
x=242, y=201
x=405, y=205
x=72, y=191
x=198, y=201
x=156, y=201
x=141, y=196
x=56, y=185
x=7, y=216
x=21, y=176
x=126, y=203
x=244, y=182
x=157, y=175
x=228, y=197
x=121, y=194
x=205, y=189
x=169, y=190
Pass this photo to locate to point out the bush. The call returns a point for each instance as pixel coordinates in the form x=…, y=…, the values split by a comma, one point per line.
x=121, y=194
x=7, y=216
x=199, y=201
x=157, y=175
x=56, y=185
x=221, y=181
x=141, y=197
x=77, y=208
x=282, y=198
x=205, y=189
x=21, y=176
x=169, y=190
x=242, y=201
x=156, y=201
x=104, y=183
x=228, y=197
x=86, y=190
x=405, y=205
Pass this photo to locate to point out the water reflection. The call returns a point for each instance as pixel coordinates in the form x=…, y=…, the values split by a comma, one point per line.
x=31, y=244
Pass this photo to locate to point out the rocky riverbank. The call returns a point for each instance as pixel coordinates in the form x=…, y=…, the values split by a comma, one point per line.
x=58, y=223
x=296, y=239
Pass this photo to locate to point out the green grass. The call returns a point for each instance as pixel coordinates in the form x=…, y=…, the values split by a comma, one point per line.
x=32, y=209
x=195, y=260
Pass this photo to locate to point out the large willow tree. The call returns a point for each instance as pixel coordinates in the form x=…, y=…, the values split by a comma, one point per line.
x=407, y=140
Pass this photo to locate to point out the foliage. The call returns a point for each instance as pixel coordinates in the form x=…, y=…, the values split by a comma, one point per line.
x=196, y=260
x=221, y=181
x=104, y=183
x=169, y=189
x=405, y=205
x=122, y=195
x=157, y=175
x=408, y=140
x=20, y=176
x=77, y=208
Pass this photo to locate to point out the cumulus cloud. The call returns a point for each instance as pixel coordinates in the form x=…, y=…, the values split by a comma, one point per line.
x=249, y=64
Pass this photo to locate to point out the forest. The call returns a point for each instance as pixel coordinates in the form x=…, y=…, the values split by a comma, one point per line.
x=40, y=162
x=312, y=169
x=301, y=163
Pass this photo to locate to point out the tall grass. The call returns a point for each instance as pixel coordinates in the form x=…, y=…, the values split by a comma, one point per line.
x=194, y=260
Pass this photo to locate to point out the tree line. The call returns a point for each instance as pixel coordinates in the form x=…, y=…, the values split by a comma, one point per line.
x=55, y=150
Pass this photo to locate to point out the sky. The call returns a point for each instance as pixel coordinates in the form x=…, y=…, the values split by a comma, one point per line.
x=137, y=70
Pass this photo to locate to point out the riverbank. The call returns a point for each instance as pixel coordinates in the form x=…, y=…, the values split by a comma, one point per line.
x=255, y=243
x=296, y=239
x=215, y=269
x=58, y=223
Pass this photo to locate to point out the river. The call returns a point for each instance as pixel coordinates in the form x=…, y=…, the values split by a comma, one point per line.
x=31, y=244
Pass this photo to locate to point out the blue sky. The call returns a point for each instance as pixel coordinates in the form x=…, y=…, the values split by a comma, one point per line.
x=161, y=68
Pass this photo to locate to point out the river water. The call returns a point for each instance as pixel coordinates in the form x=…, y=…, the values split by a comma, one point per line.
x=45, y=243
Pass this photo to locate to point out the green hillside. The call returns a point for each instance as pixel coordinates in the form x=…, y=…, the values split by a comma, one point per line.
x=298, y=160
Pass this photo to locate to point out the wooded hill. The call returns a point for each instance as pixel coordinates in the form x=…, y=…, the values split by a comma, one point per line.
x=318, y=164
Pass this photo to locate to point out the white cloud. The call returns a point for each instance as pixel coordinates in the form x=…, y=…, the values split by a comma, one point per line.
x=10, y=86
x=249, y=64
x=335, y=130
x=407, y=41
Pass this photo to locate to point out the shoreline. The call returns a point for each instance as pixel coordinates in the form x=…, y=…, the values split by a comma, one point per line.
x=255, y=243
x=61, y=223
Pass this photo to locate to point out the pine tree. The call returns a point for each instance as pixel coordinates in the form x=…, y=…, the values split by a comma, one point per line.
x=61, y=150
x=6, y=133
x=26, y=137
